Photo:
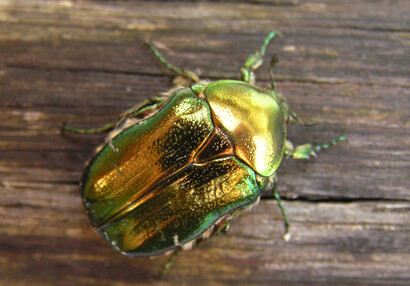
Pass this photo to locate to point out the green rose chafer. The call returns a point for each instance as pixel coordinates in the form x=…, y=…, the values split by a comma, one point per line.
x=176, y=169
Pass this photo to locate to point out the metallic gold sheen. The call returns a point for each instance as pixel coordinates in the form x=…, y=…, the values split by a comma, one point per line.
x=125, y=172
x=183, y=207
x=252, y=119
x=205, y=154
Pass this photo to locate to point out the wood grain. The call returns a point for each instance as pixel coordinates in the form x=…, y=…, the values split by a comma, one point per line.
x=343, y=64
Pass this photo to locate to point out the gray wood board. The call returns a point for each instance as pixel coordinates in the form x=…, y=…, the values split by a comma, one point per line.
x=343, y=64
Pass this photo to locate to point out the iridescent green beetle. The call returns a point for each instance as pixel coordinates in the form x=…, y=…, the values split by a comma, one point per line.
x=176, y=169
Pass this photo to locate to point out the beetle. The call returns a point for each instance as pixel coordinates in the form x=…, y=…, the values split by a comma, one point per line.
x=175, y=169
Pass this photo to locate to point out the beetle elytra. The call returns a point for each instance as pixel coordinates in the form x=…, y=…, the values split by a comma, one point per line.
x=177, y=168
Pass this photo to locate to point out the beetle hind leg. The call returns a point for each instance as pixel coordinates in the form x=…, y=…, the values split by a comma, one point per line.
x=146, y=107
x=255, y=60
x=104, y=129
x=182, y=72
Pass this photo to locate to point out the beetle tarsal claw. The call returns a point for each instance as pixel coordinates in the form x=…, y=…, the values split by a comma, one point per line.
x=287, y=236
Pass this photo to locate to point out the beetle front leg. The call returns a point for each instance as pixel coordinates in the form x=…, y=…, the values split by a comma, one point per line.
x=255, y=60
x=308, y=150
x=182, y=72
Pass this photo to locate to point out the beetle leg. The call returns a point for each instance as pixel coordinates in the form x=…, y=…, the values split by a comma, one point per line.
x=107, y=127
x=306, y=151
x=146, y=106
x=282, y=208
x=255, y=60
x=224, y=228
x=182, y=72
x=295, y=117
x=169, y=263
x=285, y=106
x=273, y=61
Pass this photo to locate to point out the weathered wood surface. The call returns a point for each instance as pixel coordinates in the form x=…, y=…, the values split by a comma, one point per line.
x=344, y=64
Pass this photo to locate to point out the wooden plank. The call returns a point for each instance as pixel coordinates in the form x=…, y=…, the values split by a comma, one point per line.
x=362, y=243
x=342, y=65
